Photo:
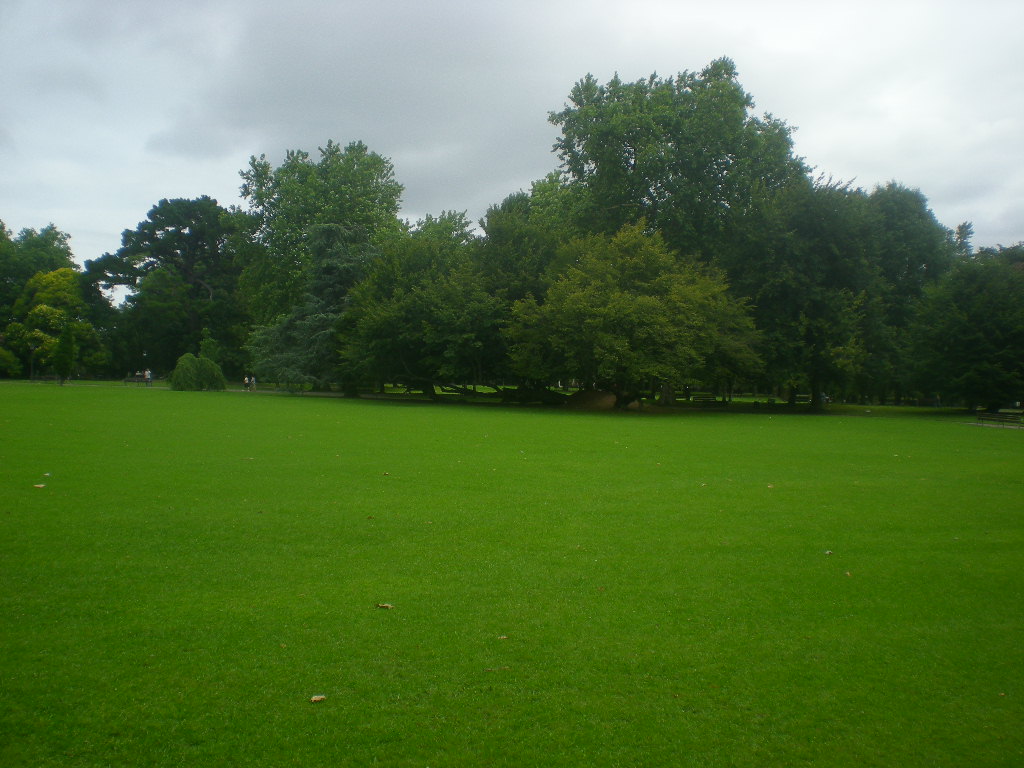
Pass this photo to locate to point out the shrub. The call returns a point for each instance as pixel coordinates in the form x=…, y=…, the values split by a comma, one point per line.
x=9, y=363
x=197, y=373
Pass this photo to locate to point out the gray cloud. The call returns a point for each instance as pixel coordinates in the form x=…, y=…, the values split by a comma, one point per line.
x=110, y=106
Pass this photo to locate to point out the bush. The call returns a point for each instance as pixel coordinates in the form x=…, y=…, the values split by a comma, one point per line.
x=9, y=363
x=197, y=373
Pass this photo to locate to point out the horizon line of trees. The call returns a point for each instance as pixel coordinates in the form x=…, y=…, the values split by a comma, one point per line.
x=680, y=244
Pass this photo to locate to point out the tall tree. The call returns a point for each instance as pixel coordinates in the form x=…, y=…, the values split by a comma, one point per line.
x=519, y=254
x=835, y=274
x=684, y=153
x=183, y=278
x=969, y=333
x=630, y=316
x=912, y=248
x=804, y=260
x=27, y=254
x=517, y=250
x=909, y=251
x=63, y=358
x=300, y=349
x=423, y=316
x=50, y=328
x=348, y=187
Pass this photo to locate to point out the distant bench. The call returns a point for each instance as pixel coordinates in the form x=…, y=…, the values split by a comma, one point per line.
x=705, y=398
x=1002, y=419
x=137, y=379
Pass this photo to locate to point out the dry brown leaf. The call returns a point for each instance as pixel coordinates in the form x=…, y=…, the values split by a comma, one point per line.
x=385, y=605
x=317, y=698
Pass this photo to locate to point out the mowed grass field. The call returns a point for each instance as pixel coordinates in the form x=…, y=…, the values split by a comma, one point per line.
x=566, y=589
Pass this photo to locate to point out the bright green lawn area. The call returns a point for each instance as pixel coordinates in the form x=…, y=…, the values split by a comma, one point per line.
x=568, y=589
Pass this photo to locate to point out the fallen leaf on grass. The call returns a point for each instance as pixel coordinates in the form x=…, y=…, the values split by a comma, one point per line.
x=40, y=485
x=385, y=605
x=319, y=697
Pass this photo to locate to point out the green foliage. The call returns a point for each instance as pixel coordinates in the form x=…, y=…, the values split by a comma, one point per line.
x=318, y=284
x=912, y=249
x=10, y=365
x=59, y=290
x=352, y=188
x=520, y=255
x=26, y=255
x=63, y=358
x=629, y=316
x=184, y=279
x=969, y=332
x=299, y=351
x=423, y=315
x=210, y=348
x=197, y=374
x=682, y=153
x=833, y=273
x=51, y=309
x=317, y=227
x=805, y=264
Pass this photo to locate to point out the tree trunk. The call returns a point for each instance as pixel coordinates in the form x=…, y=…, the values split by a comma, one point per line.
x=816, y=389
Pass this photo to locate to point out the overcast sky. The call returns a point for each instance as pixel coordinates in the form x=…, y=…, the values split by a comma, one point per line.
x=108, y=106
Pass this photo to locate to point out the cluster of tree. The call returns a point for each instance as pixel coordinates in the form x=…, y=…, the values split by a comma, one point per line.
x=50, y=312
x=681, y=244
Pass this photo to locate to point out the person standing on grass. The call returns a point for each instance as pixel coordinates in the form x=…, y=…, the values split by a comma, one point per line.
x=252, y=383
x=245, y=383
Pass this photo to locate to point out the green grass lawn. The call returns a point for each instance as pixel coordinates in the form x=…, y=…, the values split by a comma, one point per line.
x=568, y=589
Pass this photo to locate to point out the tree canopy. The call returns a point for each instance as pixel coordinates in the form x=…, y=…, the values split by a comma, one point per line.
x=969, y=333
x=630, y=316
x=183, y=278
x=25, y=255
x=684, y=153
x=679, y=243
x=295, y=205
x=49, y=327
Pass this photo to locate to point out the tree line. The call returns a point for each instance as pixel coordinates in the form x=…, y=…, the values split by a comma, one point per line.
x=680, y=244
